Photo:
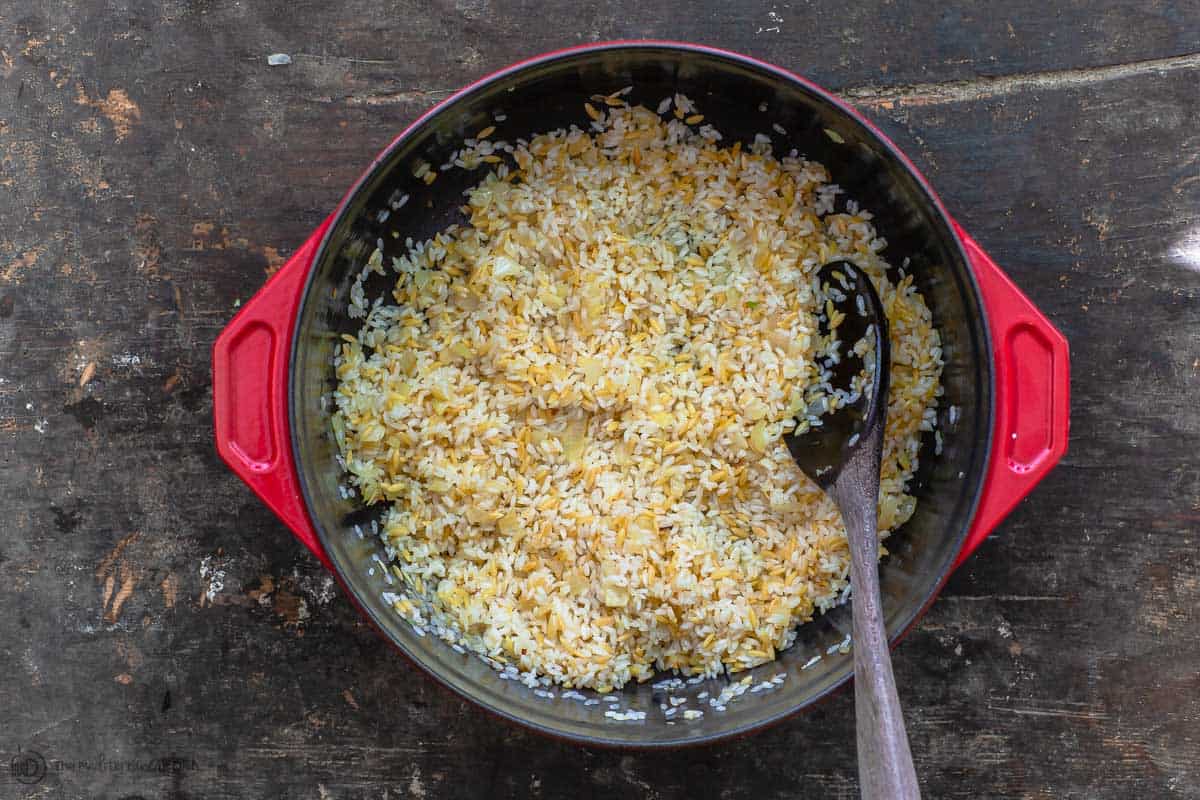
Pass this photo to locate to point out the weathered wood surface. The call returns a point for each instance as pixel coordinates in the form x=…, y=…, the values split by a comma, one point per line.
x=153, y=168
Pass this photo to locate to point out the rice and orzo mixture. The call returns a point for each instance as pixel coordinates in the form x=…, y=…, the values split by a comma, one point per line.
x=573, y=408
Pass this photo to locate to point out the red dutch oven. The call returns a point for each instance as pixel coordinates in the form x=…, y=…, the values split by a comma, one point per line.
x=1004, y=416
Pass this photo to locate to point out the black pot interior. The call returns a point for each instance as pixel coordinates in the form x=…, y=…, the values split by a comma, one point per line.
x=547, y=94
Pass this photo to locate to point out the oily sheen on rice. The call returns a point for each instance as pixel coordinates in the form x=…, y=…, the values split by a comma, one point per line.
x=572, y=405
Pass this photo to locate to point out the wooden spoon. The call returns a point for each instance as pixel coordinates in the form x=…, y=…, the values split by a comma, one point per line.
x=843, y=456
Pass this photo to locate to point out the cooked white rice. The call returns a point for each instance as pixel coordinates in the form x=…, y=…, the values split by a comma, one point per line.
x=573, y=408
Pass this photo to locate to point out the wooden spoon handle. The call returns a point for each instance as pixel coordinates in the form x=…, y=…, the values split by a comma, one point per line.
x=885, y=766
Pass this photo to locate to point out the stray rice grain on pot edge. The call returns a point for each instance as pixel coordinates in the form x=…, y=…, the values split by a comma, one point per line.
x=572, y=405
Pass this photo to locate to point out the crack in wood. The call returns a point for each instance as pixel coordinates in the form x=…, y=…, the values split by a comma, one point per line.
x=920, y=94
x=392, y=98
x=1008, y=598
x=914, y=94
x=1051, y=712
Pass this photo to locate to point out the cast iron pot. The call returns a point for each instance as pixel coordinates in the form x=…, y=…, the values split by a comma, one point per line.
x=1006, y=367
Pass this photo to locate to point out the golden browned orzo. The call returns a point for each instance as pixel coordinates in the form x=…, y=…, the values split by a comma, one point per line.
x=573, y=407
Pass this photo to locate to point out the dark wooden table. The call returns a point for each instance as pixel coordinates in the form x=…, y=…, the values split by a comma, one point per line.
x=163, y=636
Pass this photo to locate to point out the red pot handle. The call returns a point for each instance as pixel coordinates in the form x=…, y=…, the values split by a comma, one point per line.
x=1033, y=404
x=250, y=393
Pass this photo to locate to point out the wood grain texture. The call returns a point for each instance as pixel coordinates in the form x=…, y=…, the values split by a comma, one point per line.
x=153, y=169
